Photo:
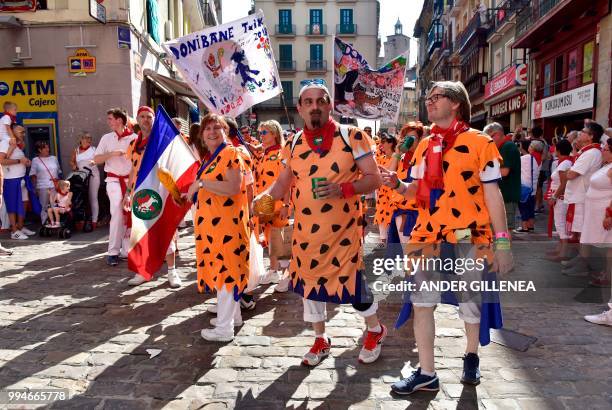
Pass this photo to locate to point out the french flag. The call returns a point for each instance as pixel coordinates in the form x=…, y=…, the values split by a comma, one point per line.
x=155, y=215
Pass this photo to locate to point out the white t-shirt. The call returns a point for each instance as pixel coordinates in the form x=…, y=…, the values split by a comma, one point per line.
x=530, y=170
x=4, y=121
x=555, y=178
x=587, y=163
x=110, y=142
x=43, y=179
x=13, y=170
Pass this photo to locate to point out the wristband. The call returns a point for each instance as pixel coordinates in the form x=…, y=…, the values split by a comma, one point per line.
x=348, y=189
x=399, y=183
x=502, y=235
x=128, y=190
x=201, y=184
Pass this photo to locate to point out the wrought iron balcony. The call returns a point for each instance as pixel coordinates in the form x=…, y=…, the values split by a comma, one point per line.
x=476, y=27
x=530, y=14
x=475, y=85
x=346, y=29
x=286, y=65
x=287, y=30
x=435, y=37
x=316, y=66
x=315, y=30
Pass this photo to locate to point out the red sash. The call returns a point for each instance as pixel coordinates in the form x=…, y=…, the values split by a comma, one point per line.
x=127, y=215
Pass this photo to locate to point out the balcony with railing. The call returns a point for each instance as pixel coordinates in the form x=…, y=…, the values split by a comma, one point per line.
x=315, y=30
x=284, y=30
x=316, y=66
x=346, y=29
x=476, y=29
x=532, y=13
x=286, y=66
x=475, y=85
x=576, y=80
x=438, y=8
x=435, y=37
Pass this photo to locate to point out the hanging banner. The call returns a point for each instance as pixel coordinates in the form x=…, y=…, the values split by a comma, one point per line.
x=230, y=67
x=17, y=5
x=363, y=92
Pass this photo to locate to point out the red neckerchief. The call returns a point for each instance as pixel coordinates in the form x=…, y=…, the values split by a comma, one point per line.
x=440, y=142
x=562, y=158
x=407, y=158
x=126, y=132
x=272, y=148
x=324, y=136
x=588, y=147
x=13, y=117
x=21, y=145
x=61, y=194
x=507, y=138
x=141, y=143
x=537, y=156
x=81, y=149
x=236, y=142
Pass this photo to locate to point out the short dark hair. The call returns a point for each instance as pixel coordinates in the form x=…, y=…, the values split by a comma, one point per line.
x=525, y=144
x=118, y=113
x=537, y=132
x=564, y=147
x=40, y=144
x=233, y=126
x=596, y=131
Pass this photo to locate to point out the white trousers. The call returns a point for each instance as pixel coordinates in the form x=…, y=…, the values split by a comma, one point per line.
x=94, y=186
x=315, y=311
x=228, y=311
x=43, y=197
x=560, y=216
x=118, y=234
x=382, y=230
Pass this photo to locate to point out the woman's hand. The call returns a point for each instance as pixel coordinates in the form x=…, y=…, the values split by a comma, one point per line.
x=327, y=189
x=127, y=202
x=390, y=178
x=193, y=188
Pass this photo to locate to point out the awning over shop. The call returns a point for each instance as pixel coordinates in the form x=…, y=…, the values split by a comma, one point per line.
x=169, y=85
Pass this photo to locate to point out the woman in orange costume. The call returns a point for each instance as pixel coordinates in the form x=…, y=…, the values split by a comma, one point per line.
x=267, y=170
x=382, y=218
x=221, y=227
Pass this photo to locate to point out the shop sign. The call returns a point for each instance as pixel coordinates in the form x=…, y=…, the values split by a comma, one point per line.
x=515, y=103
x=32, y=89
x=514, y=75
x=578, y=99
x=124, y=37
x=81, y=62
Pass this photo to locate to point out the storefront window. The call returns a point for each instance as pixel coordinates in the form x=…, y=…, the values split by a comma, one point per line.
x=587, y=62
x=547, y=78
x=572, y=69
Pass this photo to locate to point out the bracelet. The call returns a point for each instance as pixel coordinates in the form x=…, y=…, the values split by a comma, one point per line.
x=348, y=189
x=399, y=182
x=397, y=156
x=502, y=244
x=128, y=190
x=201, y=184
x=502, y=235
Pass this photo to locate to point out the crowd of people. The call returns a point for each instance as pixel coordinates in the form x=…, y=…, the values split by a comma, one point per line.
x=444, y=183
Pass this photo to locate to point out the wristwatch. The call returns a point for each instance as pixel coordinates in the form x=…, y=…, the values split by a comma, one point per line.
x=201, y=183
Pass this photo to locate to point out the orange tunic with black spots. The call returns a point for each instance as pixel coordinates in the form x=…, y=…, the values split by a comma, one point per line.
x=383, y=199
x=327, y=233
x=221, y=230
x=135, y=158
x=267, y=170
x=472, y=161
x=398, y=201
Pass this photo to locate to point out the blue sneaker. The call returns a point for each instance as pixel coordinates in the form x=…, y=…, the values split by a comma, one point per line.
x=471, y=372
x=416, y=382
x=112, y=260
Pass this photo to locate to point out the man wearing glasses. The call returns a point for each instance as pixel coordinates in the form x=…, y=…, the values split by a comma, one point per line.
x=588, y=161
x=456, y=172
x=328, y=167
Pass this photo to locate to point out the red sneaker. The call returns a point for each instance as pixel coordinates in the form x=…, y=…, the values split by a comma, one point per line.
x=317, y=352
x=372, y=345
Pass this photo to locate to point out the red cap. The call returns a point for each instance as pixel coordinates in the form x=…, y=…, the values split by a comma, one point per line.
x=145, y=108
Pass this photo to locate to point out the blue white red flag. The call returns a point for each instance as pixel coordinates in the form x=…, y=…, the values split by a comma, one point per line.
x=167, y=162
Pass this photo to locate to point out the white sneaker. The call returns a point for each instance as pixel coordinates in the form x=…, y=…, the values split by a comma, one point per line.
x=604, y=318
x=27, y=231
x=136, y=280
x=237, y=322
x=212, y=309
x=271, y=277
x=19, y=235
x=283, y=285
x=174, y=279
x=216, y=335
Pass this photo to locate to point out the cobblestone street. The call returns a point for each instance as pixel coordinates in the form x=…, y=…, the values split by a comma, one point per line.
x=69, y=321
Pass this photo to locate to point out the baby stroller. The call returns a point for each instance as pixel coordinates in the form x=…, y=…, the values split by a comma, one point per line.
x=81, y=210
x=79, y=215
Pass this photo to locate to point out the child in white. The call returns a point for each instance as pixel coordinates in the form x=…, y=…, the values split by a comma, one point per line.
x=61, y=203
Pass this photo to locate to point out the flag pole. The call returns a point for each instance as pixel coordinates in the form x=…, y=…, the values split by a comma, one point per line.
x=286, y=110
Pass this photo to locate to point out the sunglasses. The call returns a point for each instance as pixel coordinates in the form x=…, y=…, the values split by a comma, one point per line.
x=264, y=132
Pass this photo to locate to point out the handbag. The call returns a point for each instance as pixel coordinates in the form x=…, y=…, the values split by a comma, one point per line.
x=526, y=191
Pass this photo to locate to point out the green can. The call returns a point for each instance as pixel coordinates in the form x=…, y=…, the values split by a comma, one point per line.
x=315, y=185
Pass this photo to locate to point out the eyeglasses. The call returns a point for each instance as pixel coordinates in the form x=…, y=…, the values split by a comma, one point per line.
x=434, y=98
